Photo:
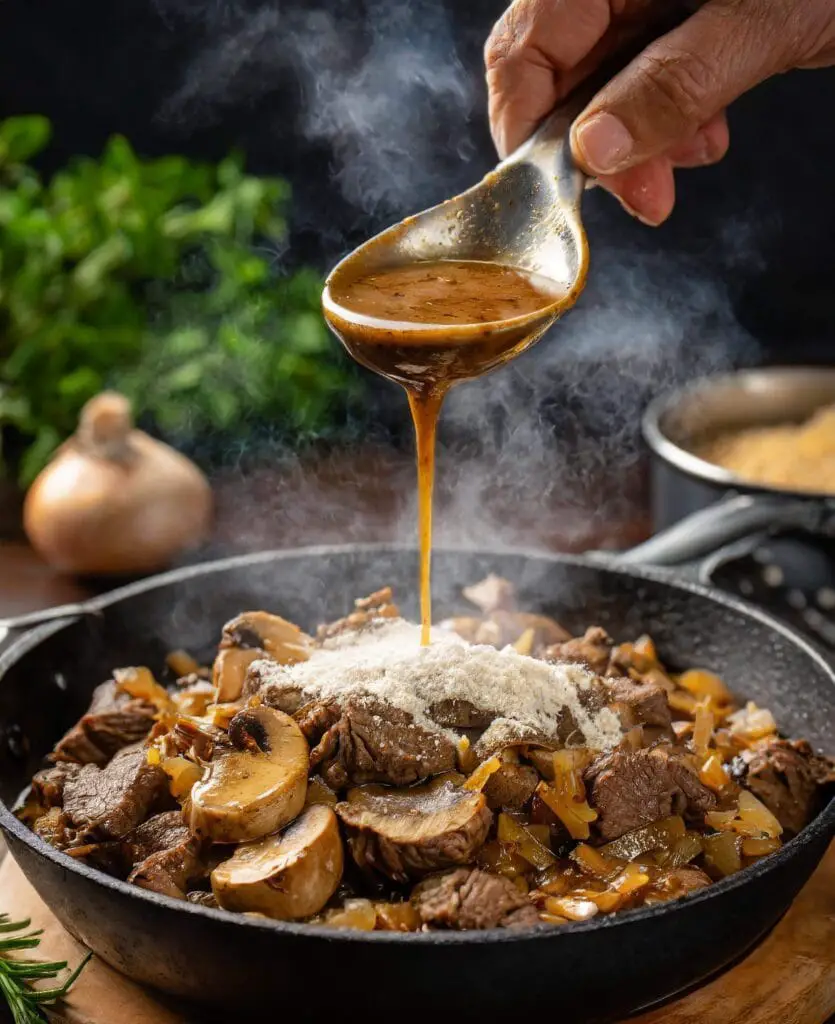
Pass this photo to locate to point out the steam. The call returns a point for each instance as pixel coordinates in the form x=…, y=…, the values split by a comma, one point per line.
x=550, y=447
x=390, y=98
x=525, y=454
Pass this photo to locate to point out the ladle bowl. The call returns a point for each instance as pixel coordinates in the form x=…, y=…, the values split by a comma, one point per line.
x=524, y=214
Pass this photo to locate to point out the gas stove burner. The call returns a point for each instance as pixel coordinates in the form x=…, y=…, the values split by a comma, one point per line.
x=791, y=575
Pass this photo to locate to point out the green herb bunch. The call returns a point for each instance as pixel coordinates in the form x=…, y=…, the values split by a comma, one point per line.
x=154, y=277
x=17, y=974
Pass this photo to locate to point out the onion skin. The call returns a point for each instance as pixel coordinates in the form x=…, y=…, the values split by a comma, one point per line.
x=128, y=507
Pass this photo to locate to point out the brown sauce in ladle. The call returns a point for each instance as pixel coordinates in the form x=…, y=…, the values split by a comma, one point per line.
x=427, y=326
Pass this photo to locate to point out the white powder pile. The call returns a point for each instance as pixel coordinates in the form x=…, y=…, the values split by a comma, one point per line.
x=528, y=697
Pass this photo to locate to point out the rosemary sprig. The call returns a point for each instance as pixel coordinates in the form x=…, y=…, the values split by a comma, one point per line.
x=17, y=975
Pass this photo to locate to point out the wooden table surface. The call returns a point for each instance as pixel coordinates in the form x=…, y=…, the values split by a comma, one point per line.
x=788, y=979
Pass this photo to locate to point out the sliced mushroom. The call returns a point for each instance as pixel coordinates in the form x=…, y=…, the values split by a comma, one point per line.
x=229, y=671
x=257, y=786
x=406, y=832
x=287, y=876
x=282, y=640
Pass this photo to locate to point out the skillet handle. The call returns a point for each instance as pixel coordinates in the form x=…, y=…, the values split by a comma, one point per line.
x=701, y=536
x=12, y=629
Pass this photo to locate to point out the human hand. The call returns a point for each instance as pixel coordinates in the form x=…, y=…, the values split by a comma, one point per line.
x=666, y=109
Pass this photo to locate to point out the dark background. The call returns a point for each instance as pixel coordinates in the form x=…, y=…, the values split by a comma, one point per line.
x=755, y=232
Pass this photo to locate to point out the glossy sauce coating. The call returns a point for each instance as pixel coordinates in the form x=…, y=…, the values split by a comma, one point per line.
x=427, y=326
x=443, y=292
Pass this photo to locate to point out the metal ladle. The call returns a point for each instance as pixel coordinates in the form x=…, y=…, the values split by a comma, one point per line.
x=525, y=214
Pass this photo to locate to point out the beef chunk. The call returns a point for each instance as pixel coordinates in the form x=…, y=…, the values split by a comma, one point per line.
x=511, y=786
x=360, y=741
x=788, y=777
x=634, y=788
x=165, y=855
x=48, y=785
x=274, y=690
x=460, y=714
x=106, y=803
x=113, y=720
x=470, y=898
x=592, y=649
x=641, y=704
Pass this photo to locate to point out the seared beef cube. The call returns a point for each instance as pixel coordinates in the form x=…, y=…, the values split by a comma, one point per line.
x=165, y=855
x=512, y=786
x=789, y=778
x=634, y=788
x=470, y=898
x=113, y=720
x=48, y=785
x=361, y=741
x=592, y=649
x=641, y=704
x=106, y=803
x=460, y=714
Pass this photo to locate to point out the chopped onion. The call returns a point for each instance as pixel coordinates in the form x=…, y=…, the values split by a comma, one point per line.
x=592, y=861
x=722, y=853
x=702, y=683
x=712, y=773
x=659, y=835
x=571, y=908
x=702, y=727
x=760, y=847
x=752, y=723
x=358, y=914
x=139, y=682
x=479, y=777
x=525, y=844
x=181, y=663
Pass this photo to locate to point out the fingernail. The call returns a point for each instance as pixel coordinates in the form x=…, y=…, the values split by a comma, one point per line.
x=643, y=218
x=604, y=143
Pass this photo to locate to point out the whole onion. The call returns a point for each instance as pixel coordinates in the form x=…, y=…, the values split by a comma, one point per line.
x=114, y=500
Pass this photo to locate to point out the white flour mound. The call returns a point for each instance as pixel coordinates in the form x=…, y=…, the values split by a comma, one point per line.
x=528, y=697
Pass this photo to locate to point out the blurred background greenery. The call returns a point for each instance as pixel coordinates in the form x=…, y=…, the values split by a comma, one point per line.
x=162, y=279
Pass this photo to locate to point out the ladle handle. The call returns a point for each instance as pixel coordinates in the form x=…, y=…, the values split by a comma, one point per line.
x=550, y=142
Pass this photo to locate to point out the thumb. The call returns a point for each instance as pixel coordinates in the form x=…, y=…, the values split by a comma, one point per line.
x=678, y=84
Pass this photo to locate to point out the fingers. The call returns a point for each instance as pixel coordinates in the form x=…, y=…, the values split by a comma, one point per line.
x=708, y=146
x=648, y=190
x=681, y=81
x=532, y=45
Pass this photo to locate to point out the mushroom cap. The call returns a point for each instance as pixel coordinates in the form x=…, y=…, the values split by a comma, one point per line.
x=256, y=787
x=287, y=876
x=405, y=832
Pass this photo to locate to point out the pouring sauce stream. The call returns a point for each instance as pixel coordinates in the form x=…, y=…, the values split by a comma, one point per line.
x=427, y=326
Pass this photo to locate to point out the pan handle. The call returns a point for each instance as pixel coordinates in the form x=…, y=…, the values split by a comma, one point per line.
x=704, y=533
x=12, y=629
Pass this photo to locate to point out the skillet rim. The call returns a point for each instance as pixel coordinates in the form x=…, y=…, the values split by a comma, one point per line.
x=822, y=826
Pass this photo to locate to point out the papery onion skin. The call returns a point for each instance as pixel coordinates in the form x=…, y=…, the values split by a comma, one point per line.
x=129, y=507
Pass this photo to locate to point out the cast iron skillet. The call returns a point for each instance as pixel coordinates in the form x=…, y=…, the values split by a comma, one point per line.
x=598, y=970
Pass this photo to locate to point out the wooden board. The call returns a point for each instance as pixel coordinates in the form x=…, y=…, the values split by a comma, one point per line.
x=788, y=979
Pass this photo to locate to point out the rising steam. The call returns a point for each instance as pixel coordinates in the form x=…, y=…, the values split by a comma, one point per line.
x=525, y=453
